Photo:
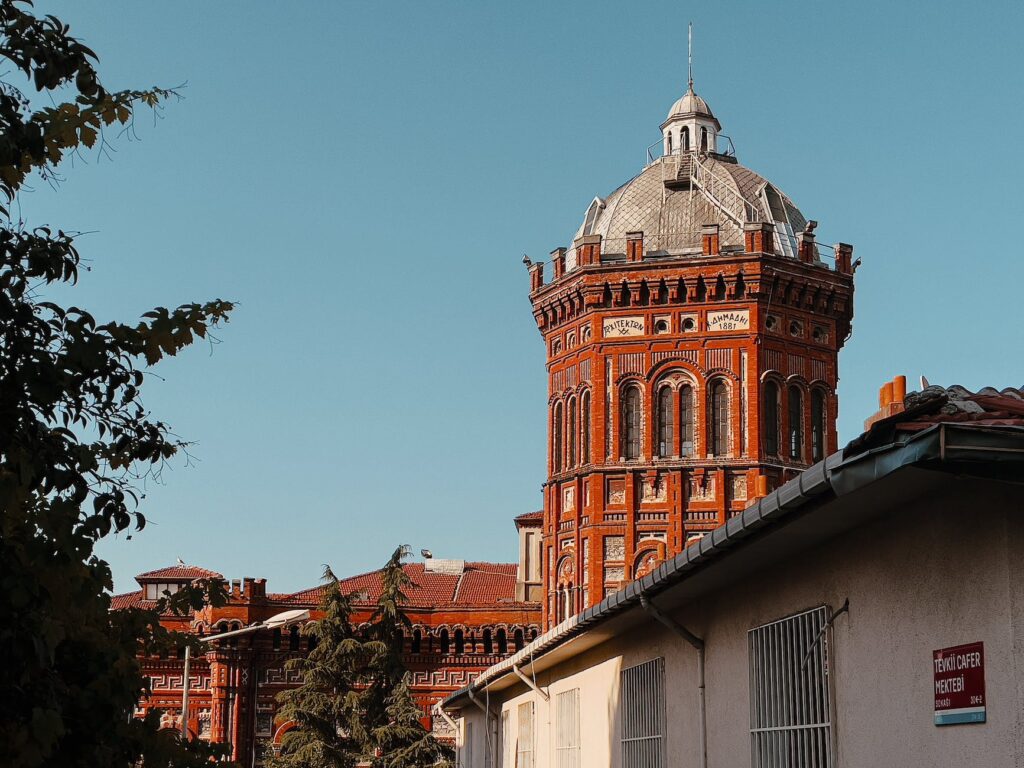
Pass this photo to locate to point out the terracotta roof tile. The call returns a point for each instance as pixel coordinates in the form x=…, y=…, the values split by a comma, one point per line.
x=178, y=572
x=130, y=600
x=530, y=517
x=487, y=584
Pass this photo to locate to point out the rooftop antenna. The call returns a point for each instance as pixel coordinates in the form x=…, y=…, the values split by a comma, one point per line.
x=689, y=54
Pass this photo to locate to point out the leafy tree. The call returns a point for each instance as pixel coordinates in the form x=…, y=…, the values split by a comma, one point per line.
x=326, y=708
x=402, y=741
x=75, y=438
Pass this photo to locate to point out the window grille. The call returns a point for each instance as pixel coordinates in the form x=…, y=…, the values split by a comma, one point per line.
x=557, y=449
x=666, y=424
x=585, y=418
x=796, y=425
x=571, y=435
x=524, y=747
x=642, y=702
x=771, y=418
x=631, y=423
x=817, y=425
x=686, y=420
x=567, y=729
x=790, y=693
x=719, y=418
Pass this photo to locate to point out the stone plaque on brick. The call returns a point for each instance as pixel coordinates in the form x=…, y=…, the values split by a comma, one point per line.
x=623, y=326
x=614, y=548
x=733, y=320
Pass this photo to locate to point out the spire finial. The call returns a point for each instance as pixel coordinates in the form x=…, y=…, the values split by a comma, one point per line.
x=689, y=54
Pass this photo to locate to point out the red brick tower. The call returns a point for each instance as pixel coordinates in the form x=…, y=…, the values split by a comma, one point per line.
x=692, y=335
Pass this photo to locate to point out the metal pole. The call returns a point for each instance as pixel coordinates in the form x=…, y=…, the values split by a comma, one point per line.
x=184, y=694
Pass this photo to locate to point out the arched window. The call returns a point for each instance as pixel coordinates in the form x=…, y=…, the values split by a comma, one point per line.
x=502, y=642
x=488, y=643
x=293, y=638
x=533, y=635
x=570, y=458
x=719, y=418
x=771, y=418
x=517, y=638
x=796, y=423
x=631, y=422
x=444, y=641
x=817, y=425
x=557, y=448
x=670, y=142
x=233, y=641
x=666, y=423
x=460, y=642
x=417, y=640
x=585, y=424
x=686, y=420
x=276, y=639
x=703, y=139
x=684, y=139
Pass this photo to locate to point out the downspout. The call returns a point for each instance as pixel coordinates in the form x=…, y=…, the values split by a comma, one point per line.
x=698, y=644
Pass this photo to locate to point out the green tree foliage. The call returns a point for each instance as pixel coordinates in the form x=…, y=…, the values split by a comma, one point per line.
x=354, y=704
x=75, y=438
x=326, y=709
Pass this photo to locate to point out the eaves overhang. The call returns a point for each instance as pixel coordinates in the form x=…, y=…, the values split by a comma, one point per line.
x=773, y=527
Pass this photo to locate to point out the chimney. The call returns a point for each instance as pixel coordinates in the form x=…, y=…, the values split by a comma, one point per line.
x=709, y=242
x=806, y=249
x=890, y=400
x=634, y=246
x=558, y=262
x=588, y=250
x=536, y=276
x=844, y=258
x=759, y=237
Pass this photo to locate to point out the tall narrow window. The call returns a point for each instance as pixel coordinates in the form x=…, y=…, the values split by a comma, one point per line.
x=686, y=421
x=719, y=421
x=684, y=139
x=631, y=422
x=817, y=425
x=460, y=642
x=518, y=639
x=567, y=729
x=557, y=447
x=444, y=641
x=570, y=459
x=642, y=707
x=771, y=418
x=524, y=748
x=670, y=142
x=666, y=424
x=502, y=642
x=703, y=139
x=417, y=640
x=585, y=424
x=488, y=643
x=293, y=638
x=796, y=423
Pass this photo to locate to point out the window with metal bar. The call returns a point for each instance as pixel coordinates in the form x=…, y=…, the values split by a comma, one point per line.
x=719, y=422
x=790, y=692
x=686, y=420
x=524, y=747
x=585, y=419
x=557, y=448
x=642, y=707
x=796, y=423
x=771, y=418
x=817, y=425
x=567, y=729
x=631, y=422
x=666, y=422
x=570, y=459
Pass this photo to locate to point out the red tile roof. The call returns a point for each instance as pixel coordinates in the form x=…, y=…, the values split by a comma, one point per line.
x=480, y=584
x=945, y=405
x=130, y=600
x=178, y=573
x=530, y=517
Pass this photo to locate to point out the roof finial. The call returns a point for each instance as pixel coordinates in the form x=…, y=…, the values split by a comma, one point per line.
x=689, y=54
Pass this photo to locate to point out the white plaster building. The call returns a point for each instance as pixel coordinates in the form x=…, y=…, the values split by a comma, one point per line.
x=817, y=628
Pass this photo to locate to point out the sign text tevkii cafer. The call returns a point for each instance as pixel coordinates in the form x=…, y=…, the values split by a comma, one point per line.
x=959, y=675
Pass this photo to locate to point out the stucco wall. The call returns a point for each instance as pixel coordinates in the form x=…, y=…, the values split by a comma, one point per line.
x=947, y=570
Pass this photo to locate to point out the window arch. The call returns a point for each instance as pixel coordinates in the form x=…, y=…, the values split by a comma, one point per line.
x=293, y=638
x=460, y=642
x=518, y=639
x=557, y=448
x=276, y=639
x=703, y=139
x=585, y=428
x=502, y=641
x=817, y=425
x=445, y=642
x=686, y=447
x=488, y=642
x=796, y=423
x=670, y=142
x=666, y=426
x=631, y=422
x=771, y=418
x=417, y=640
x=684, y=139
x=718, y=422
x=570, y=457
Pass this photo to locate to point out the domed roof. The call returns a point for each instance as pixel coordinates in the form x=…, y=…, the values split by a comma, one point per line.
x=671, y=217
x=690, y=104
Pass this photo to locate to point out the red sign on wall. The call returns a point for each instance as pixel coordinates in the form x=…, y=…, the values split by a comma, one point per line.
x=959, y=674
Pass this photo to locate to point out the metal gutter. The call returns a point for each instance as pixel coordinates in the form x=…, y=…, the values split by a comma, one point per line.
x=835, y=476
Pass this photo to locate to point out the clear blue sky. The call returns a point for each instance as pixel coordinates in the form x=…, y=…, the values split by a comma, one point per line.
x=364, y=179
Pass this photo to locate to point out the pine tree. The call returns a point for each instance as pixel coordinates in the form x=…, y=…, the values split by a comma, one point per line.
x=403, y=742
x=327, y=708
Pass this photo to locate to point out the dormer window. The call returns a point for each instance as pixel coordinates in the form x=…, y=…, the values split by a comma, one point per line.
x=155, y=591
